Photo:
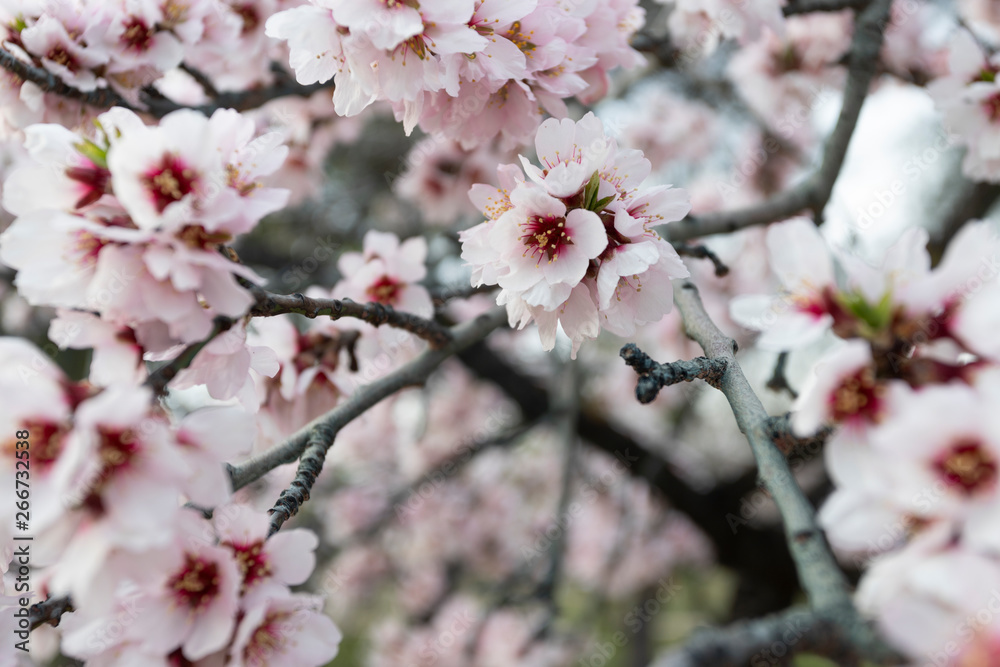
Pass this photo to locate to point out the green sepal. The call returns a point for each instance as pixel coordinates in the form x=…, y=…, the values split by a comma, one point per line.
x=93, y=152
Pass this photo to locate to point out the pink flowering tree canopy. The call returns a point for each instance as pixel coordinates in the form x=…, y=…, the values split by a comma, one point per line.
x=499, y=332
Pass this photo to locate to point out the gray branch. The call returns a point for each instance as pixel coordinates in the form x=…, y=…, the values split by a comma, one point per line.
x=654, y=376
x=413, y=373
x=765, y=641
x=814, y=192
x=157, y=105
x=376, y=314
x=821, y=578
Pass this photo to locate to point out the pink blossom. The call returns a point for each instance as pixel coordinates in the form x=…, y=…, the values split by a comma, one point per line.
x=266, y=565
x=188, y=595
x=386, y=272
x=283, y=630
x=575, y=236
x=120, y=465
x=117, y=356
x=969, y=98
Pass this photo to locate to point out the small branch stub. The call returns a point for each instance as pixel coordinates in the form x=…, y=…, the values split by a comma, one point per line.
x=653, y=376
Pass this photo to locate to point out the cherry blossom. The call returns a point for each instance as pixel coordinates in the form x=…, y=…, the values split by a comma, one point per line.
x=386, y=272
x=968, y=97
x=575, y=235
x=285, y=629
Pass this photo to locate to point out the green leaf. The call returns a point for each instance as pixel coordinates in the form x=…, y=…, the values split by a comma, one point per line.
x=18, y=24
x=93, y=152
x=875, y=316
x=590, y=191
x=599, y=206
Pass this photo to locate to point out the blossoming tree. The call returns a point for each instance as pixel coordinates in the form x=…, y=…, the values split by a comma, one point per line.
x=314, y=315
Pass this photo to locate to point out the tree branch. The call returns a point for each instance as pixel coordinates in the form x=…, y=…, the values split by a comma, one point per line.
x=778, y=382
x=814, y=192
x=757, y=553
x=49, y=611
x=654, y=376
x=810, y=6
x=310, y=466
x=161, y=377
x=702, y=252
x=413, y=373
x=375, y=314
x=157, y=105
x=566, y=404
x=821, y=577
x=100, y=97
x=765, y=641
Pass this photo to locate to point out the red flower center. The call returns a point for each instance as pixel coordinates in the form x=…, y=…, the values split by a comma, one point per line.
x=94, y=180
x=196, y=584
x=858, y=395
x=252, y=561
x=171, y=181
x=251, y=19
x=46, y=442
x=992, y=108
x=137, y=34
x=59, y=55
x=545, y=236
x=266, y=640
x=967, y=466
x=384, y=290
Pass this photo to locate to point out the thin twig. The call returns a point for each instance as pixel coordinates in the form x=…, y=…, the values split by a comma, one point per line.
x=310, y=466
x=778, y=381
x=654, y=376
x=413, y=373
x=202, y=79
x=449, y=467
x=795, y=7
x=566, y=403
x=376, y=314
x=161, y=377
x=702, y=252
x=49, y=611
x=814, y=192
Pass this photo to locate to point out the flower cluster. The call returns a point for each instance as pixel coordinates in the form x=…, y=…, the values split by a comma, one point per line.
x=912, y=390
x=969, y=99
x=110, y=471
x=128, y=44
x=470, y=69
x=129, y=223
x=574, y=244
x=699, y=26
